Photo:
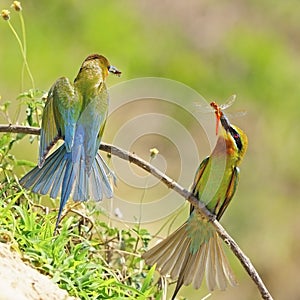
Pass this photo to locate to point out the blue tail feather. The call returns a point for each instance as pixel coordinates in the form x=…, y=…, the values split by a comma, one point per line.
x=33, y=177
x=62, y=172
x=58, y=178
x=67, y=185
x=51, y=169
x=54, y=172
x=45, y=186
x=95, y=186
x=81, y=189
x=103, y=171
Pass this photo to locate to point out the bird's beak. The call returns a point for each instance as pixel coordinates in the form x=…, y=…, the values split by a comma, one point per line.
x=114, y=70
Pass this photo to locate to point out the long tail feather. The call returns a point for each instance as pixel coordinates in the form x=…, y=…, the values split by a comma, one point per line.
x=38, y=177
x=62, y=173
x=176, y=257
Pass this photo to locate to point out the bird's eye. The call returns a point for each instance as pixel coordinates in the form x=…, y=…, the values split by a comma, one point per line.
x=236, y=138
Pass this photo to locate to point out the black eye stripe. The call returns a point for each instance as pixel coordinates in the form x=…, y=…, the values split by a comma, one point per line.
x=236, y=138
x=224, y=121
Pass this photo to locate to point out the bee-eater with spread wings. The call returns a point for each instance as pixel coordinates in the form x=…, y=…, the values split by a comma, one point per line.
x=195, y=248
x=75, y=112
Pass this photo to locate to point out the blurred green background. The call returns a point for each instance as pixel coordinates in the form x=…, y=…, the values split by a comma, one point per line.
x=249, y=48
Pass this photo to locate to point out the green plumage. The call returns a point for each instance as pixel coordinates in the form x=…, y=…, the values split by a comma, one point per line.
x=195, y=249
x=76, y=113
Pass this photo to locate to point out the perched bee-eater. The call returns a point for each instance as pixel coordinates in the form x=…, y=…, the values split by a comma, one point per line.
x=75, y=112
x=195, y=248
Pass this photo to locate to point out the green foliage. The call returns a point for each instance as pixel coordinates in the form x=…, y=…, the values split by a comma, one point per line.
x=88, y=258
x=34, y=101
x=99, y=263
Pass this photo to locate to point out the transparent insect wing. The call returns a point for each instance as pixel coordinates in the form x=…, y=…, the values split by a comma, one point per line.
x=207, y=108
x=226, y=105
x=228, y=102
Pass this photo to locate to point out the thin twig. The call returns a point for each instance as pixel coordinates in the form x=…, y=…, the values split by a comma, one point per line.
x=20, y=129
x=170, y=183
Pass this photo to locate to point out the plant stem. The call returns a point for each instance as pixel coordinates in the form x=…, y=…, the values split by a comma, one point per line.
x=23, y=52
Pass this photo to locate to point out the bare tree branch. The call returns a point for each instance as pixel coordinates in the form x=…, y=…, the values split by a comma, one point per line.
x=19, y=129
x=170, y=183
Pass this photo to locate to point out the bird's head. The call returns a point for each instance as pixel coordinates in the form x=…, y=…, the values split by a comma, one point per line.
x=236, y=140
x=97, y=65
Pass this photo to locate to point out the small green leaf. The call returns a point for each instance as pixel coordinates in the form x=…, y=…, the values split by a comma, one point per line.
x=23, y=162
x=148, y=279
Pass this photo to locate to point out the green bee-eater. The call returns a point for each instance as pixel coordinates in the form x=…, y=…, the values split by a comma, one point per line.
x=195, y=248
x=75, y=112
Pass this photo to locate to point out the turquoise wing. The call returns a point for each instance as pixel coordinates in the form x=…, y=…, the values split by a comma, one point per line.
x=60, y=115
x=67, y=106
x=49, y=131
